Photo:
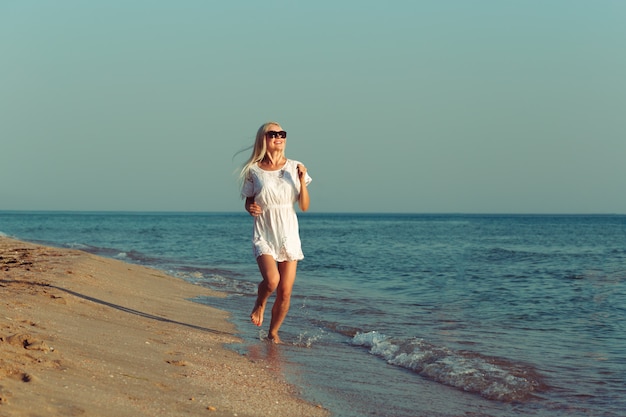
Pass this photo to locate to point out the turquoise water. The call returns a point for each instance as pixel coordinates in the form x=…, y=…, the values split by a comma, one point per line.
x=407, y=315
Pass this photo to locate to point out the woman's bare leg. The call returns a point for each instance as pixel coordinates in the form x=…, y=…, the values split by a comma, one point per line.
x=287, y=271
x=271, y=278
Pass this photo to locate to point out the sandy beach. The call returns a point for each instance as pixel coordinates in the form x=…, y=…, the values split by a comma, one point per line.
x=86, y=335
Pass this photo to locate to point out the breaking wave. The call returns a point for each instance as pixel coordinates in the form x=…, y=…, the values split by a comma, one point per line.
x=493, y=378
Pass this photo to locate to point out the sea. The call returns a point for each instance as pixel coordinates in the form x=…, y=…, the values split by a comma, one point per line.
x=404, y=315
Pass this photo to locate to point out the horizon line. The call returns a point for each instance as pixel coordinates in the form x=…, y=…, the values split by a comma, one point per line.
x=425, y=213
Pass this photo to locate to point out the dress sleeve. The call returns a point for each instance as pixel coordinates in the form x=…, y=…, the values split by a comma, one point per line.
x=247, y=190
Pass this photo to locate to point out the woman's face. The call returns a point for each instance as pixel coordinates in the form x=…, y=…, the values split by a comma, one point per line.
x=274, y=141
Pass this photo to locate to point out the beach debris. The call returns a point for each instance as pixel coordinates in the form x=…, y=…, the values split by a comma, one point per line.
x=26, y=341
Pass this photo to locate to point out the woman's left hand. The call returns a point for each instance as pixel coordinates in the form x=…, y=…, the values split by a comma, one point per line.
x=301, y=172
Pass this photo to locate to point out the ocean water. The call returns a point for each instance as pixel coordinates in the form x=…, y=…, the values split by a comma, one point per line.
x=406, y=315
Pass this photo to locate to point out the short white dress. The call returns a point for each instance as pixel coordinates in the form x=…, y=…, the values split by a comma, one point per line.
x=276, y=231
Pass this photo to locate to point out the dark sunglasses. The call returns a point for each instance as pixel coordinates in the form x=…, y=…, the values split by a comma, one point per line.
x=274, y=134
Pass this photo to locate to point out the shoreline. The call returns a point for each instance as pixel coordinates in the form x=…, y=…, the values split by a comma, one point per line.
x=86, y=335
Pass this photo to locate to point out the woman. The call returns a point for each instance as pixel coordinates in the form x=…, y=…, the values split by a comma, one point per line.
x=272, y=184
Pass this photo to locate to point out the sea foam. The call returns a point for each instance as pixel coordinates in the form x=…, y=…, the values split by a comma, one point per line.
x=493, y=378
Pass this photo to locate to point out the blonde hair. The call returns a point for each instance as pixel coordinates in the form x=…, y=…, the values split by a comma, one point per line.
x=259, y=149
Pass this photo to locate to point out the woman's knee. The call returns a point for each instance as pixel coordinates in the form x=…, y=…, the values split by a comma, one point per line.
x=269, y=272
x=272, y=284
x=283, y=292
x=271, y=280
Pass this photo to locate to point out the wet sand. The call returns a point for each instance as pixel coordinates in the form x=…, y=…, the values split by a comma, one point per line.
x=85, y=335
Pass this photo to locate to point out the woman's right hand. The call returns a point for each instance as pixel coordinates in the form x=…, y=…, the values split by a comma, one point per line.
x=253, y=208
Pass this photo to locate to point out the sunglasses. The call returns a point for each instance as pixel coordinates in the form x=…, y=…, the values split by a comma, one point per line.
x=272, y=134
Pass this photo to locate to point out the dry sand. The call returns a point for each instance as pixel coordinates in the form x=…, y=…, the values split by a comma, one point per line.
x=85, y=335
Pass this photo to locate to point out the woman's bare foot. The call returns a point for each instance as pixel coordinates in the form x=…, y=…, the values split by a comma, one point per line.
x=257, y=314
x=274, y=338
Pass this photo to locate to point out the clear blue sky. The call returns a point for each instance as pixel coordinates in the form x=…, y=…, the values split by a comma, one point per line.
x=482, y=106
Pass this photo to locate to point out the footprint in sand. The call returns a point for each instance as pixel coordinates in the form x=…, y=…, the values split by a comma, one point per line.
x=177, y=362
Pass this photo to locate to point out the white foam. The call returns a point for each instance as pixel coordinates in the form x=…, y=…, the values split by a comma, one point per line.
x=78, y=246
x=467, y=371
x=307, y=339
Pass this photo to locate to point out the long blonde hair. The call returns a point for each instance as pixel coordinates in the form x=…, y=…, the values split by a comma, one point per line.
x=259, y=149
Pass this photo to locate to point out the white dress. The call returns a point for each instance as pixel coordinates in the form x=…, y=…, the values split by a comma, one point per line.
x=276, y=230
